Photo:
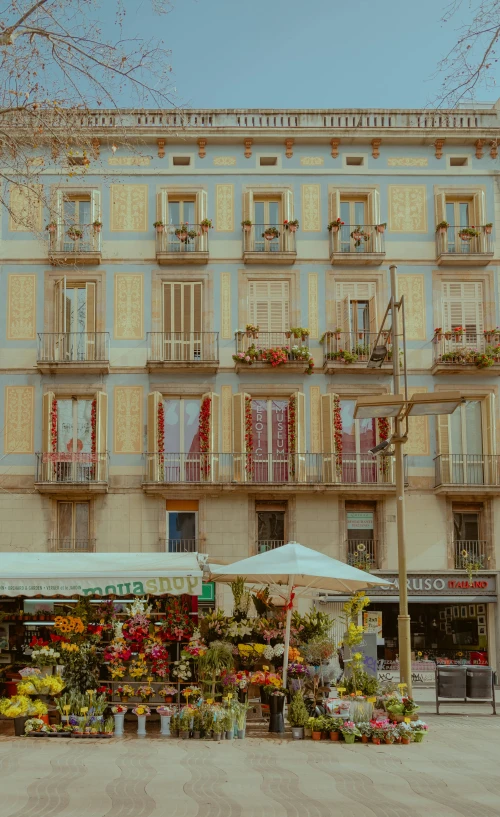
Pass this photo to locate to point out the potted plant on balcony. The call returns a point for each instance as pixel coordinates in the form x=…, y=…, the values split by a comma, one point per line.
x=442, y=227
x=74, y=233
x=484, y=360
x=159, y=226
x=334, y=226
x=304, y=333
x=51, y=226
x=270, y=233
x=488, y=228
x=206, y=224
x=252, y=330
x=182, y=232
x=438, y=334
x=381, y=227
x=97, y=225
x=471, y=563
x=458, y=332
x=468, y=233
x=247, y=225
x=291, y=225
x=358, y=235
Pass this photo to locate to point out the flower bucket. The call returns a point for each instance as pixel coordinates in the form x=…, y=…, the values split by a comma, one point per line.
x=335, y=228
x=349, y=738
x=316, y=735
x=298, y=732
x=269, y=236
x=241, y=734
x=196, y=734
x=364, y=738
x=184, y=735
x=357, y=236
x=165, y=725
x=141, y=725
x=182, y=236
x=229, y=734
x=418, y=737
x=334, y=735
x=276, y=707
x=442, y=230
x=217, y=735
x=19, y=724
x=404, y=741
x=119, y=723
x=169, y=699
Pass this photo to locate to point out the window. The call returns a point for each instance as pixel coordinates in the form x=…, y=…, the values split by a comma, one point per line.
x=267, y=213
x=358, y=436
x=467, y=541
x=74, y=438
x=182, y=526
x=460, y=210
x=75, y=321
x=182, y=321
x=73, y=526
x=356, y=311
x=268, y=161
x=466, y=438
x=457, y=215
x=463, y=306
x=361, y=537
x=458, y=161
x=356, y=208
x=269, y=307
x=76, y=210
x=466, y=525
x=175, y=208
x=181, y=161
x=354, y=160
x=182, y=440
x=181, y=210
x=271, y=525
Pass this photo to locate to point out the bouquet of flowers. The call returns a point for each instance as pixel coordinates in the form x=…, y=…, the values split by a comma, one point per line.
x=264, y=678
x=191, y=692
x=165, y=710
x=117, y=670
x=146, y=692
x=296, y=670
x=125, y=691
x=45, y=657
x=138, y=668
x=119, y=709
x=274, y=652
x=142, y=709
x=136, y=629
x=182, y=670
x=196, y=646
x=20, y=706
x=167, y=692
x=177, y=625
x=104, y=690
x=117, y=652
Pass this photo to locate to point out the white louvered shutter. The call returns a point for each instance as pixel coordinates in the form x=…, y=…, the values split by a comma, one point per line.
x=463, y=306
x=182, y=320
x=269, y=305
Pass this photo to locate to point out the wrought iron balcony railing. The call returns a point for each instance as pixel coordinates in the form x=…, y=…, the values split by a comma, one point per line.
x=75, y=238
x=468, y=469
x=68, y=544
x=187, y=347
x=459, y=347
x=182, y=545
x=271, y=340
x=67, y=467
x=268, y=238
x=353, y=347
x=470, y=553
x=464, y=240
x=73, y=347
x=263, y=545
x=351, y=469
x=361, y=239
x=182, y=239
x=362, y=553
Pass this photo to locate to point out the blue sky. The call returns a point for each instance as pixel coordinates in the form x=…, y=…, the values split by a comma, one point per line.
x=291, y=53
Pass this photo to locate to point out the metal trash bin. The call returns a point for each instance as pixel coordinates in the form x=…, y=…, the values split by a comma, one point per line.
x=451, y=682
x=479, y=683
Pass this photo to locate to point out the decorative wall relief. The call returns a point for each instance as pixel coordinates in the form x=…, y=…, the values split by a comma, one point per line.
x=128, y=419
x=129, y=161
x=128, y=307
x=312, y=161
x=408, y=209
x=21, y=307
x=225, y=305
x=407, y=161
x=311, y=210
x=224, y=213
x=129, y=208
x=315, y=409
x=312, y=290
x=413, y=288
x=25, y=208
x=19, y=417
x=224, y=161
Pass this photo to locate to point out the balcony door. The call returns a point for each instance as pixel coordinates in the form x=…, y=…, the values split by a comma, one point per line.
x=271, y=525
x=270, y=440
x=353, y=214
x=181, y=211
x=267, y=213
x=73, y=526
x=466, y=444
x=182, y=440
x=463, y=305
x=74, y=441
x=77, y=213
x=75, y=321
x=182, y=531
x=182, y=321
x=358, y=436
x=269, y=309
x=458, y=216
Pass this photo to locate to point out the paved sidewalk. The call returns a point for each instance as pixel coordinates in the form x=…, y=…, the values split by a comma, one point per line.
x=453, y=772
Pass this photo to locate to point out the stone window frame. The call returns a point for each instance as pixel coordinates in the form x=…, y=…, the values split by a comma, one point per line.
x=291, y=275
x=74, y=275
x=485, y=276
x=377, y=277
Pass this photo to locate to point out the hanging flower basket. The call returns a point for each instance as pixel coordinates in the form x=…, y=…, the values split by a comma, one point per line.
x=206, y=225
x=334, y=226
x=271, y=233
x=381, y=227
x=442, y=227
x=74, y=234
x=488, y=229
x=291, y=225
x=159, y=226
x=247, y=225
x=52, y=227
x=468, y=233
x=97, y=225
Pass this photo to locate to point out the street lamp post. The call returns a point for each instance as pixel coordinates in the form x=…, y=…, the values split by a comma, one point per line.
x=404, y=636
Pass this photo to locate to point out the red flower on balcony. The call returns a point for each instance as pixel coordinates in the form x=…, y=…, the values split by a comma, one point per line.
x=53, y=426
x=204, y=432
x=337, y=433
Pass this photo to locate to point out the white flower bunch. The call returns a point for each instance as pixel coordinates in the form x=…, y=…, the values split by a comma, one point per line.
x=182, y=670
x=273, y=652
x=117, y=629
x=139, y=607
x=240, y=628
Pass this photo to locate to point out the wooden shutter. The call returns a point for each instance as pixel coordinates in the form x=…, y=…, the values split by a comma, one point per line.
x=152, y=458
x=162, y=206
x=334, y=205
x=239, y=443
x=248, y=212
x=95, y=206
x=300, y=436
x=102, y=435
x=90, y=323
x=328, y=438
x=346, y=322
x=201, y=213
x=444, y=445
x=182, y=318
x=58, y=217
x=269, y=305
x=489, y=424
x=463, y=306
x=477, y=214
x=210, y=462
x=440, y=207
x=287, y=208
x=60, y=305
x=373, y=209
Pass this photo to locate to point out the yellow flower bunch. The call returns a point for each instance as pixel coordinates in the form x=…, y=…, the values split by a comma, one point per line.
x=20, y=706
x=138, y=669
x=26, y=688
x=117, y=670
x=69, y=624
x=246, y=650
x=69, y=647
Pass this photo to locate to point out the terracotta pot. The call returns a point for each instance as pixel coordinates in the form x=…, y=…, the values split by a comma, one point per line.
x=97, y=228
x=405, y=741
x=124, y=699
x=376, y=741
x=488, y=230
x=335, y=229
x=380, y=228
x=247, y=228
x=316, y=735
x=334, y=735
x=52, y=229
x=465, y=237
x=160, y=228
x=364, y=738
x=205, y=228
x=169, y=699
x=443, y=230
x=292, y=228
x=387, y=740
x=269, y=236
x=303, y=337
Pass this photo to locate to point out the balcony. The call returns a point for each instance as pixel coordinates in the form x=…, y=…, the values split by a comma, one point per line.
x=73, y=545
x=73, y=352
x=176, y=351
x=68, y=472
x=360, y=245
x=467, y=473
x=473, y=552
x=362, y=553
x=356, y=473
x=78, y=244
x=263, y=545
x=252, y=349
x=278, y=248
x=462, y=352
x=458, y=248
x=182, y=546
x=182, y=244
x=350, y=351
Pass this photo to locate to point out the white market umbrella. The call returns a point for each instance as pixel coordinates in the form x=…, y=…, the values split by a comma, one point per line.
x=296, y=566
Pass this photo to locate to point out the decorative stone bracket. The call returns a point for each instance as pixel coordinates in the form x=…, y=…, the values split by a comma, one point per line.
x=202, y=143
x=248, y=148
x=161, y=148
x=288, y=148
x=439, y=144
x=376, y=148
x=335, y=147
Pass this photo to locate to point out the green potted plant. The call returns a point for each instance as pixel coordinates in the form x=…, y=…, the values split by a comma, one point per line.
x=334, y=727
x=350, y=731
x=206, y=224
x=159, y=226
x=442, y=227
x=488, y=228
x=365, y=730
x=174, y=725
x=185, y=723
x=405, y=733
x=97, y=225
x=182, y=232
x=468, y=233
x=197, y=724
x=229, y=725
x=291, y=225
x=316, y=726
x=418, y=729
x=298, y=715
x=358, y=235
x=241, y=719
x=218, y=725
x=270, y=233
x=74, y=233
x=247, y=225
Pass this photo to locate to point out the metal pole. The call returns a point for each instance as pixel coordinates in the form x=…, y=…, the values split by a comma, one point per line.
x=287, y=628
x=404, y=636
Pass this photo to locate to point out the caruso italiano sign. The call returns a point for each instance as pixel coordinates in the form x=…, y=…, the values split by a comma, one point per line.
x=438, y=585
